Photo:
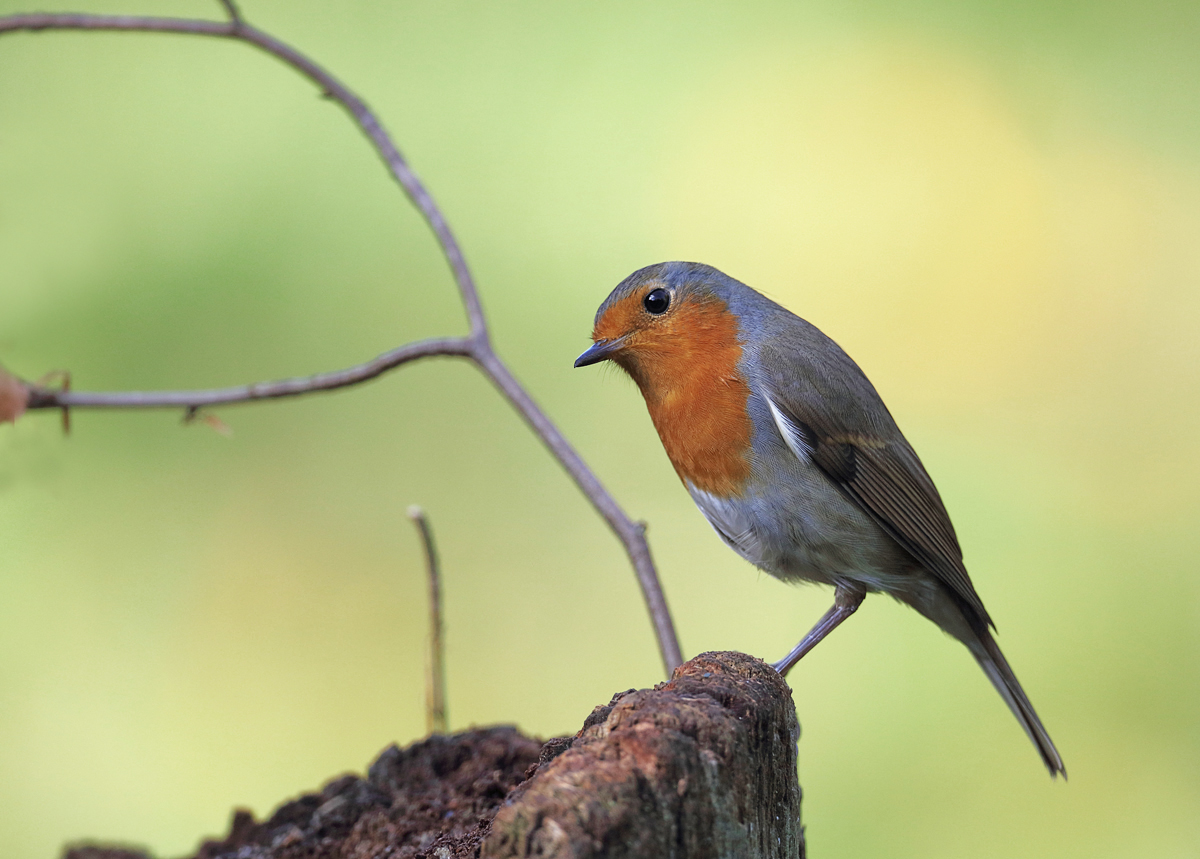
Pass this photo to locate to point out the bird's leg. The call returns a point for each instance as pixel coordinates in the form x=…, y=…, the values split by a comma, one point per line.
x=846, y=600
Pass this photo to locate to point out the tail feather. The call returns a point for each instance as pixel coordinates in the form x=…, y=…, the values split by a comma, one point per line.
x=992, y=661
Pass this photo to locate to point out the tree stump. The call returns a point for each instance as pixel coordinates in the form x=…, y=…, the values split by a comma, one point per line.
x=701, y=767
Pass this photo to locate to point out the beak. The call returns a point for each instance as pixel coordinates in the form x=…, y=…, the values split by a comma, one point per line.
x=601, y=350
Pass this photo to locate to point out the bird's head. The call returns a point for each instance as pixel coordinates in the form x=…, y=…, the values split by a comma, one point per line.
x=665, y=324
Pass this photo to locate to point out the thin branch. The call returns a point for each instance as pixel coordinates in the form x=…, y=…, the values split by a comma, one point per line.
x=436, y=718
x=476, y=345
x=632, y=534
x=231, y=10
x=50, y=398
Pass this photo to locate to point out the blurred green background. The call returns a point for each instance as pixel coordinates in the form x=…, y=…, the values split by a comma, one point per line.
x=994, y=207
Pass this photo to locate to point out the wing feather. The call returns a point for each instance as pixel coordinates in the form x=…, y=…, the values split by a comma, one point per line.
x=886, y=479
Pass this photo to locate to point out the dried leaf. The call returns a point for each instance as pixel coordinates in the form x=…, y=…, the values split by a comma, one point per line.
x=217, y=424
x=14, y=397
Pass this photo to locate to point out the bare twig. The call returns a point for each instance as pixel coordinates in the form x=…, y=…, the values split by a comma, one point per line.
x=475, y=346
x=436, y=718
x=632, y=534
x=49, y=398
x=231, y=10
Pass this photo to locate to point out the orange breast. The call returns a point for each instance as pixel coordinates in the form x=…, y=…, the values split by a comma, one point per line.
x=687, y=371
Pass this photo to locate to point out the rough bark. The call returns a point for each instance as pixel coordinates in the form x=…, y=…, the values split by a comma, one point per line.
x=703, y=766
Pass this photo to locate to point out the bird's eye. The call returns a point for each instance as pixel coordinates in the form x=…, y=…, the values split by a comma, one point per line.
x=657, y=301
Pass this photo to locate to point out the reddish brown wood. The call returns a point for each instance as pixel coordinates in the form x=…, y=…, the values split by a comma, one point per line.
x=703, y=766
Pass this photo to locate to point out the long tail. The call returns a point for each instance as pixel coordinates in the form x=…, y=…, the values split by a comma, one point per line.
x=992, y=661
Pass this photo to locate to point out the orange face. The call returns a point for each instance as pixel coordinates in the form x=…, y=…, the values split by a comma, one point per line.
x=685, y=361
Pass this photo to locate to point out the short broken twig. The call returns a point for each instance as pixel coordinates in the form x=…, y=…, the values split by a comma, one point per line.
x=436, y=718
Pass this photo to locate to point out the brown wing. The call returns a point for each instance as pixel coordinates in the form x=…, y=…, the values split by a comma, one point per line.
x=886, y=479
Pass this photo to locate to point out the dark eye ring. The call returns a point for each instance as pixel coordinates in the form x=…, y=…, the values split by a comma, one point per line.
x=657, y=301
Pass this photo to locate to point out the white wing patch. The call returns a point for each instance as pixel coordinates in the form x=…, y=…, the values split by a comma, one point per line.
x=792, y=436
x=730, y=522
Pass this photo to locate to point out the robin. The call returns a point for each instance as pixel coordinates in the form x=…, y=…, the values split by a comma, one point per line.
x=791, y=455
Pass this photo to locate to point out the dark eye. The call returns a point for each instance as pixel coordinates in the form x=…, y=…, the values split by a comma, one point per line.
x=657, y=301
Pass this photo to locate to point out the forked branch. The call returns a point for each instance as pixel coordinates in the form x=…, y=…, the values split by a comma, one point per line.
x=476, y=346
